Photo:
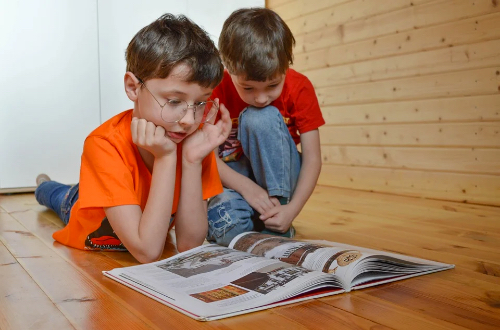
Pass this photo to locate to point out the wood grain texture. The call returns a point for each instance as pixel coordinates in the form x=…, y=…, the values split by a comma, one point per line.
x=458, y=160
x=458, y=58
x=324, y=14
x=23, y=304
x=455, y=109
x=476, y=135
x=66, y=289
x=454, y=84
x=410, y=92
x=322, y=53
x=397, y=22
x=470, y=188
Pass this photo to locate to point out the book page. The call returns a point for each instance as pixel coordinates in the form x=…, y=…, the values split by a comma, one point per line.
x=211, y=281
x=352, y=264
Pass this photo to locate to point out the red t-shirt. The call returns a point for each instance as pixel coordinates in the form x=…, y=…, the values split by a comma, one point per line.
x=113, y=173
x=297, y=104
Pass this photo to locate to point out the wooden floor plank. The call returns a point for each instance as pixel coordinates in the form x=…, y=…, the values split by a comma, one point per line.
x=326, y=317
x=23, y=305
x=463, y=298
x=396, y=316
x=79, y=299
x=92, y=264
x=435, y=304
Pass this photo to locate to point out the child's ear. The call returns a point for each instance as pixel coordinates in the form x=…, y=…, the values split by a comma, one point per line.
x=132, y=86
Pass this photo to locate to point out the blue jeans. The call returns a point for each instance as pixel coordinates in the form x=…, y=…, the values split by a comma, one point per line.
x=270, y=159
x=58, y=197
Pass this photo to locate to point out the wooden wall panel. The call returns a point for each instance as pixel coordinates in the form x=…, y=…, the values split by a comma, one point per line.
x=458, y=109
x=291, y=10
x=462, y=83
x=485, y=134
x=410, y=92
x=416, y=17
x=462, y=32
x=458, y=160
x=479, y=189
x=465, y=57
x=361, y=30
x=311, y=20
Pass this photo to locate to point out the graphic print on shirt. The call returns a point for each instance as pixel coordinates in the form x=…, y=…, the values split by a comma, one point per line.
x=230, y=150
x=104, y=238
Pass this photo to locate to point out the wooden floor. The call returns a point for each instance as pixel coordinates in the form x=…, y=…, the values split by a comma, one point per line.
x=44, y=285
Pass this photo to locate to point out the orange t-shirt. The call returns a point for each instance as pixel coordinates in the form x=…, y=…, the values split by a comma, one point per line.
x=113, y=173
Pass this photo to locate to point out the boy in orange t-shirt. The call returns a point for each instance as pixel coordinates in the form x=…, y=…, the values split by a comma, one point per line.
x=156, y=161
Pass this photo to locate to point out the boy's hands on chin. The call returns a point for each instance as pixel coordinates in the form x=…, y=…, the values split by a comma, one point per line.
x=203, y=141
x=152, y=138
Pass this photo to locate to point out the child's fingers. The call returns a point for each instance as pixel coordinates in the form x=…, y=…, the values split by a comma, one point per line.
x=275, y=201
x=269, y=214
x=159, y=132
x=133, y=128
x=212, y=120
x=224, y=122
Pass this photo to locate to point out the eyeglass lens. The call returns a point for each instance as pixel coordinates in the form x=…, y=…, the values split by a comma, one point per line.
x=175, y=110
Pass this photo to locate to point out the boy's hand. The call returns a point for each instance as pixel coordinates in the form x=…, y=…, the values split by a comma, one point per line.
x=203, y=141
x=152, y=138
x=258, y=198
x=279, y=218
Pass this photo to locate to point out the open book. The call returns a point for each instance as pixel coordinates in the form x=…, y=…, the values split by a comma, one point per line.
x=260, y=271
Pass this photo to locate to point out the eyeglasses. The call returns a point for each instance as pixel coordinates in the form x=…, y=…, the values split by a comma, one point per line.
x=174, y=110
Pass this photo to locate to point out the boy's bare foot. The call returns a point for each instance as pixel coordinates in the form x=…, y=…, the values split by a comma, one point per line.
x=41, y=178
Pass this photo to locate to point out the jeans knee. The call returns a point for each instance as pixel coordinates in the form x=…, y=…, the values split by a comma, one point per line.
x=260, y=119
x=227, y=218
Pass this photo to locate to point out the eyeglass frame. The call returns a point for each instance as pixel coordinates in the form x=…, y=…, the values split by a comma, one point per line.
x=193, y=106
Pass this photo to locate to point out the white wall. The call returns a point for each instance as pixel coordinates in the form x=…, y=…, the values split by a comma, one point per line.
x=120, y=20
x=62, y=75
x=49, y=87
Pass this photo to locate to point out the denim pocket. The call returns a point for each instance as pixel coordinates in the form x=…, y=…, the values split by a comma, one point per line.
x=219, y=220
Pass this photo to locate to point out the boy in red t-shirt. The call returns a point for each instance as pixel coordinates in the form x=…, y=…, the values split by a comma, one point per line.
x=147, y=164
x=266, y=181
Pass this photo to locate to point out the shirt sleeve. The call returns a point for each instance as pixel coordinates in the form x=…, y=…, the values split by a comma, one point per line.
x=308, y=115
x=105, y=180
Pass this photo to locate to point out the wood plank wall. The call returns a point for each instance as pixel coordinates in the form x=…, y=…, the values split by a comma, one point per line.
x=410, y=91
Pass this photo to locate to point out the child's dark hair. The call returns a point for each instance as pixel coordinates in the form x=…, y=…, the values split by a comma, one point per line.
x=256, y=43
x=171, y=40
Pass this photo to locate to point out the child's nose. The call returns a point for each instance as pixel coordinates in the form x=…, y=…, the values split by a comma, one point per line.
x=188, y=118
x=261, y=98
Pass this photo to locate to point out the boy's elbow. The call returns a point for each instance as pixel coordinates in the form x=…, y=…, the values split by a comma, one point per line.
x=145, y=257
x=188, y=245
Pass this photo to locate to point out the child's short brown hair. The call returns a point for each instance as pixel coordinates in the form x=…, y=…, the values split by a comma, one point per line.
x=170, y=40
x=256, y=43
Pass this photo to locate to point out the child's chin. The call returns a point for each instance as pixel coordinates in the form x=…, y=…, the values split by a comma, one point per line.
x=260, y=106
x=176, y=141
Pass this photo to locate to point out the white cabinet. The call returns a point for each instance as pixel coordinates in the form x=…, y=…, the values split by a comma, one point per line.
x=63, y=63
x=49, y=88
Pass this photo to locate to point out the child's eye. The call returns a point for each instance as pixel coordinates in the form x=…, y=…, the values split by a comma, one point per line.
x=273, y=86
x=174, y=102
x=198, y=104
x=248, y=88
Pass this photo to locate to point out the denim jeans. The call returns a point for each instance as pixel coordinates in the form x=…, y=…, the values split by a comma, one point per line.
x=270, y=159
x=58, y=197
